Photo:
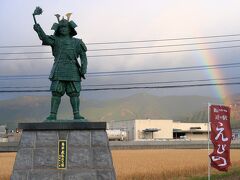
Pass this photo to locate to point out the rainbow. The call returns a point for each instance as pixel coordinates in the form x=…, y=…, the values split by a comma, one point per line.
x=222, y=91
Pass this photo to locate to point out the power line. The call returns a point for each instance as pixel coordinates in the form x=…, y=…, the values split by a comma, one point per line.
x=133, y=83
x=137, y=41
x=25, y=59
x=37, y=52
x=135, y=87
x=134, y=72
x=166, y=45
x=165, y=69
x=166, y=39
x=27, y=76
x=163, y=82
x=127, y=48
x=126, y=54
x=22, y=78
x=162, y=87
x=20, y=46
x=162, y=52
x=23, y=87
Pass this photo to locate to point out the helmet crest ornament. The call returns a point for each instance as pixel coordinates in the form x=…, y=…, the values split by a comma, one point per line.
x=58, y=17
x=68, y=16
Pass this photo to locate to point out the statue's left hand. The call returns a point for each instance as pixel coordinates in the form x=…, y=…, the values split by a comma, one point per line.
x=83, y=70
x=83, y=76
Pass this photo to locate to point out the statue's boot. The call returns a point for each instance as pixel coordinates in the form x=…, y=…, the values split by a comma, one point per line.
x=75, y=102
x=55, y=101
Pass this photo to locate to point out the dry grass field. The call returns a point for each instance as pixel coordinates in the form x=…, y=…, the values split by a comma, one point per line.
x=159, y=164
x=164, y=164
x=6, y=165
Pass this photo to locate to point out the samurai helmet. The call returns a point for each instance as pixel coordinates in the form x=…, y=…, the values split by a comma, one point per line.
x=64, y=22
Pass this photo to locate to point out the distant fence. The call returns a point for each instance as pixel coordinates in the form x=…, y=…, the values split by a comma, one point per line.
x=165, y=145
x=13, y=146
x=9, y=146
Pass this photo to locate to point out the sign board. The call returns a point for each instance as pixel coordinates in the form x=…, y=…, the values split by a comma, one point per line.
x=221, y=135
x=62, y=154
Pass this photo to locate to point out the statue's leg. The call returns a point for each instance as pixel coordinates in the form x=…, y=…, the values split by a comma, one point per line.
x=75, y=102
x=73, y=92
x=55, y=101
x=57, y=93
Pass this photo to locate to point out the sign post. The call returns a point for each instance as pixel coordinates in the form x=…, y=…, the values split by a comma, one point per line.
x=209, y=162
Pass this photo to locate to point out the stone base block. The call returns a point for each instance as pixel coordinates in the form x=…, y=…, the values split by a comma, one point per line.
x=87, y=157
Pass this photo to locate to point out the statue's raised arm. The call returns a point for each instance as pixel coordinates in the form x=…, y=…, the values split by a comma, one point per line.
x=46, y=40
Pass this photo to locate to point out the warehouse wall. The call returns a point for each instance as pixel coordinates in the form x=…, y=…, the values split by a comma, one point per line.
x=165, y=126
x=135, y=129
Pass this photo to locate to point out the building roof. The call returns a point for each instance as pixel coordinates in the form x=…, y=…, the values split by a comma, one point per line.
x=151, y=130
x=190, y=130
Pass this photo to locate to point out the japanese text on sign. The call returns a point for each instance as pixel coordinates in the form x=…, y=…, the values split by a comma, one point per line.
x=62, y=154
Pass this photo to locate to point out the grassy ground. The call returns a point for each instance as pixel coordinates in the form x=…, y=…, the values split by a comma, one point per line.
x=159, y=164
x=232, y=174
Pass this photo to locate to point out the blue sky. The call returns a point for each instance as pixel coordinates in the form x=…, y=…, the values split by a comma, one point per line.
x=115, y=20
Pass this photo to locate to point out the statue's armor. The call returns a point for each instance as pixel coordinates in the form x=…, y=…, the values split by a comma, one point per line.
x=66, y=52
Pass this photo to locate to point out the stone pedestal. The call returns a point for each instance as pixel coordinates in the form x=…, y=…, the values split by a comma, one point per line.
x=88, y=156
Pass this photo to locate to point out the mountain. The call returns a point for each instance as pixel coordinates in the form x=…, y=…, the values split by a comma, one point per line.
x=232, y=101
x=138, y=106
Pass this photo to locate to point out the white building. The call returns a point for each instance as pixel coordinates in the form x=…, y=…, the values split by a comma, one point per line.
x=3, y=130
x=3, y=133
x=161, y=129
